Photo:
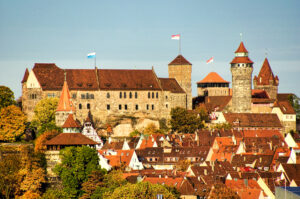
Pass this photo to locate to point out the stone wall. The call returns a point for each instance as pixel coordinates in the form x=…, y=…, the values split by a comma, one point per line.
x=241, y=88
x=272, y=90
x=213, y=91
x=52, y=158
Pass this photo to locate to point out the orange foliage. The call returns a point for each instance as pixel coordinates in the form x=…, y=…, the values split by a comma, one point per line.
x=40, y=141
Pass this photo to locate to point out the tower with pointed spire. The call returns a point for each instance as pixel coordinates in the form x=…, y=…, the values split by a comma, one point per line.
x=65, y=105
x=181, y=70
x=266, y=80
x=241, y=70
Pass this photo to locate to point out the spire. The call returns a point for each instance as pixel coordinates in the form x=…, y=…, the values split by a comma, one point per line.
x=266, y=76
x=241, y=55
x=241, y=49
x=65, y=103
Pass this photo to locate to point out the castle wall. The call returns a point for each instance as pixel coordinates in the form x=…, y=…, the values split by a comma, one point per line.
x=213, y=91
x=270, y=89
x=261, y=108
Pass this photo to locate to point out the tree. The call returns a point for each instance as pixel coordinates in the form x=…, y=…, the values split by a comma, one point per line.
x=95, y=180
x=183, y=165
x=185, y=122
x=220, y=126
x=54, y=194
x=221, y=191
x=41, y=140
x=7, y=97
x=150, y=129
x=77, y=163
x=294, y=101
x=44, y=115
x=144, y=190
x=12, y=123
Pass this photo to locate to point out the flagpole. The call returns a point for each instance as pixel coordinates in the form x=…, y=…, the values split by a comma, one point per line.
x=95, y=61
x=180, y=44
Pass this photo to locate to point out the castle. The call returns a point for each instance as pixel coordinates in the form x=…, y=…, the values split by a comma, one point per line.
x=109, y=93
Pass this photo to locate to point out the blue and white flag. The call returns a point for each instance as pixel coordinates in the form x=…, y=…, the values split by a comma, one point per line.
x=91, y=55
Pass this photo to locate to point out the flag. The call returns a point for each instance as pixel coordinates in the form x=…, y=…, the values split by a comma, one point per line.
x=91, y=55
x=176, y=37
x=210, y=60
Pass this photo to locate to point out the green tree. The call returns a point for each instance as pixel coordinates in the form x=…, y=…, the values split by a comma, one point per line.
x=77, y=163
x=95, y=180
x=54, y=194
x=185, y=122
x=7, y=97
x=294, y=101
x=225, y=126
x=12, y=123
x=44, y=115
x=144, y=190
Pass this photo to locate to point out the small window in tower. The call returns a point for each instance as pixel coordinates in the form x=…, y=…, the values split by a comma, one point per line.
x=80, y=106
x=88, y=106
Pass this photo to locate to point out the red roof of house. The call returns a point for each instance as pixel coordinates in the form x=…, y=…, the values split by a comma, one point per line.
x=65, y=103
x=180, y=60
x=241, y=48
x=70, y=139
x=71, y=123
x=240, y=184
x=176, y=182
x=285, y=107
x=265, y=75
x=122, y=156
x=213, y=77
x=25, y=77
x=170, y=84
x=262, y=133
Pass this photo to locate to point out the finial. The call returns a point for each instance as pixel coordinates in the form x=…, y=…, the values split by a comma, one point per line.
x=65, y=74
x=241, y=35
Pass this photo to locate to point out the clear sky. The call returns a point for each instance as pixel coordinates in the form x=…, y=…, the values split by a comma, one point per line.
x=137, y=34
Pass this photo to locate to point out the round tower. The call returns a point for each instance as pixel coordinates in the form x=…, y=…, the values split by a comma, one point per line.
x=241, y=70
x=181, y=70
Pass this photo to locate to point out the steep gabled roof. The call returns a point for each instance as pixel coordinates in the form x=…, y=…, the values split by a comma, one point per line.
x=170, y=84
x=25, y=77
x=213, y=77
x=241, y=48
x=70, y=139
x=65, y=103
x=265, y=75
x=180, y=60
x=71, y=123
x=285, y=107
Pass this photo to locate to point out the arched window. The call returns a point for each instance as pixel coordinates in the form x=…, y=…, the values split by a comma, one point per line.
x=124, y=94
x=149, y=95
x=80, y=106
x=152, y=106
x=120, y=94
x=130, y=95
x=136, y=95
x=88, y=106
x=107, y=95
x=152, y=94
x=156, y=94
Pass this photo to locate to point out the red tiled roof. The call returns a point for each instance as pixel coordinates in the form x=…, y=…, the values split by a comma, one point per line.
x=25, y=77
x=216, y=103
x=170, y=84
x=122, y=156
x=213, y=77
x=285, y=107
x=261, y=120
x=244, y=60
x=240, y=184
x=71, y=123
x=241, y=48
x=262, y=133
x=283, y=96
x=65, y=103
x=180, y=60
x=265, y=75
x=70, y=139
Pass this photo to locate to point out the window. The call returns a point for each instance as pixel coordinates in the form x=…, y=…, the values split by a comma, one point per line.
x=136, y=95
x=107, y=95
x=32, y=96
x=120, y=107
x=82, y=96
x=80, y=106
x=156, y=94
x=88, y=106
x=167, y=106
x=120, y=94
x=87, y=96
x=130, y=95
x=147, y=106
x=125, y=106
x=74, y=95
x=152, y=106
x=92, y=96
x=152, y=94
x=166, y=97
x=124, y=94
x=108, y=106
x=149, y=95
x=51, y=95
x=136, y=107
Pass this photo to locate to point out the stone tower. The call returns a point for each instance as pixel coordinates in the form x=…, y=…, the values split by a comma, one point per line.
x=181, y=70
x=266, y=80
x=241, y=70
x=65, y=105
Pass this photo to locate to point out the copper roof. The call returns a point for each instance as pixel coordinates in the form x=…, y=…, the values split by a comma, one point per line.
x=70, y=139
x=71, y=123
x=265, y=75
x=180, y=60
x=170, y=84
x=261, y=120
x=213, y=77
x=26, y=74
x=65, y=103
x=241, y=48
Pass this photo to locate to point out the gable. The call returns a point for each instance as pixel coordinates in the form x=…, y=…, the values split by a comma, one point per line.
x=32, y=81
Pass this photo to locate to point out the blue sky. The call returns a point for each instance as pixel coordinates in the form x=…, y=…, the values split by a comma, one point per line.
x=137, y=34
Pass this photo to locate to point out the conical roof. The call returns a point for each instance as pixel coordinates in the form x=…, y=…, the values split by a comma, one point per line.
x=180, y=60
x=241, y=55
x=266, y=74
x=65, y=103
x=241, y=48
x=213, y=77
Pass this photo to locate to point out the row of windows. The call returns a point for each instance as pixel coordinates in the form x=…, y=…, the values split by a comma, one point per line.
x=125, y=107
x=87, y=96
x=88, y=106
x=32, y=96
x=124, y=95
x=149, y=95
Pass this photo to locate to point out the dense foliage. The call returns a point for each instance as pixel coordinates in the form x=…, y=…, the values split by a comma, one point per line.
x=40, y=141
x=6, y=97
x=183, y=121
x=12, y=123
x=221, y=191
x=44, y=115
x=77, y=163
x=294, y=101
